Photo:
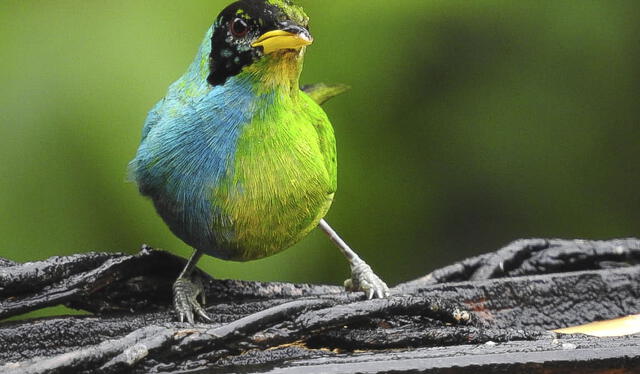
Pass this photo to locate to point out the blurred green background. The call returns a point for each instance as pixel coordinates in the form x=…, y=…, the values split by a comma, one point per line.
x=470, y=124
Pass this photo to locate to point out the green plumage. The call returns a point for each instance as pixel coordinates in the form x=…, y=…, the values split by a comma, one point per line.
x=285, y=167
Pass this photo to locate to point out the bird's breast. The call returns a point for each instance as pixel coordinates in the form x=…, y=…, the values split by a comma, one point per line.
x=277, y=189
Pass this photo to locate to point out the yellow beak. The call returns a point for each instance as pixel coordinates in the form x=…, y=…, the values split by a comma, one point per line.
x=279, y=39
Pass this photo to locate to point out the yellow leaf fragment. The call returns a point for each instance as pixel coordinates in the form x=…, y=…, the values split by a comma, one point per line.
x=623, y=326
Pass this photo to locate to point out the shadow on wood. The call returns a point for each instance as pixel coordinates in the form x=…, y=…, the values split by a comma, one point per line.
x=490, y=313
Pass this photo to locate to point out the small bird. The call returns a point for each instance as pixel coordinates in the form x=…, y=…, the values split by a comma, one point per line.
x=239, y=161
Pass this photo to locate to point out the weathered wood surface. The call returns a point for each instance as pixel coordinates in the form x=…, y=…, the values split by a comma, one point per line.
x=513, y=297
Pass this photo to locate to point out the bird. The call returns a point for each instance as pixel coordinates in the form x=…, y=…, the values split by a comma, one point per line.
x=238, y=158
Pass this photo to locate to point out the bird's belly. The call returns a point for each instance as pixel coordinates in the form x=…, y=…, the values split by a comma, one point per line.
x=277, y=193
x=260, y=229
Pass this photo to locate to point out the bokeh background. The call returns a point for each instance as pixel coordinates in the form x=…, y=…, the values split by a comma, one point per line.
x=469, y=125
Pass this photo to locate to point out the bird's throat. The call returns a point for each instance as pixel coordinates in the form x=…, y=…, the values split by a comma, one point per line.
x=278, y=71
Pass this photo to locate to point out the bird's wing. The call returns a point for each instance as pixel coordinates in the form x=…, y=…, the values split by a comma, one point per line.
x=152, y=119
x=321, y=92
x=327, y=143
x=325, y=137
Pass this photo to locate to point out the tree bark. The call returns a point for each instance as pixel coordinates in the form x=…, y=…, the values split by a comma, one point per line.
x=491, y=313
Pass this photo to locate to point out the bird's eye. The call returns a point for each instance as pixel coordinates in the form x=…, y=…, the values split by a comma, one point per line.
x=239, y=28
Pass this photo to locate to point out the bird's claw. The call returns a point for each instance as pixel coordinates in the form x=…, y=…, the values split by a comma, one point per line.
x=185, y=294
x=365, y=280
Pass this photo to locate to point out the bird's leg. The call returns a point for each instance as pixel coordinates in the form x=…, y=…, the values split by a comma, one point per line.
x=185, y=292
x=362, y=277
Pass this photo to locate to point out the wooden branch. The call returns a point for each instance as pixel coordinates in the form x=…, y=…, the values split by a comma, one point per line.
x=490, y=312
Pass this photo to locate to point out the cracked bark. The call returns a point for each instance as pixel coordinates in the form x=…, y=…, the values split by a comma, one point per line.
x=514, y=296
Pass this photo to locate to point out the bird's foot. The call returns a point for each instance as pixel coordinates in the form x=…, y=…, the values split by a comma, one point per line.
x=185, y=303
x=365, y=280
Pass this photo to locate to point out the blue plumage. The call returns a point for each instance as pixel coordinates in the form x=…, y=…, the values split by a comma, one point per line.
x=188, y=144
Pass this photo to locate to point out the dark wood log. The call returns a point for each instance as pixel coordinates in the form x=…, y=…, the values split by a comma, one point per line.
x=491, y=313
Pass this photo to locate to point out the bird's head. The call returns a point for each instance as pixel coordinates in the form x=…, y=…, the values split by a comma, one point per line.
x=266, y=36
